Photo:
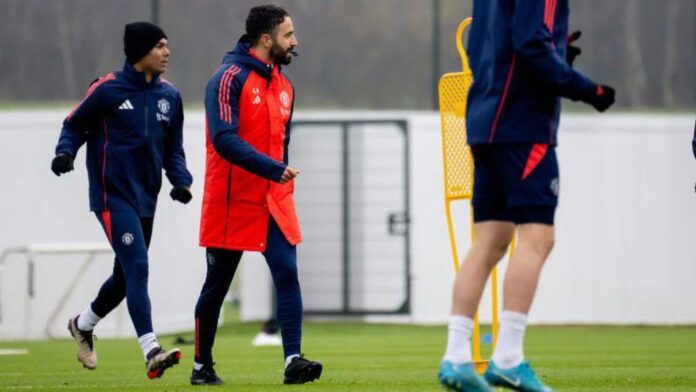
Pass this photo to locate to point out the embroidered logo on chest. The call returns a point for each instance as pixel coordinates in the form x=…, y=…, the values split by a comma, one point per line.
x=126, y=105
x=257, y=96
x=285, y=99
x=163, y=106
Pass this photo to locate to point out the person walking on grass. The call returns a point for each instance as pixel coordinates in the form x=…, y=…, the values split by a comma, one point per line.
x=248, y=200
x=132, y=124
x=522, y=66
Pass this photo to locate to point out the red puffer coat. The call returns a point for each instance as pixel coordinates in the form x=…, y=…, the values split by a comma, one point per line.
x=248, y=107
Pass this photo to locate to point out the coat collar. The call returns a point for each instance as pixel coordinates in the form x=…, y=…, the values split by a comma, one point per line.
x=242, y=54
x=138, y=78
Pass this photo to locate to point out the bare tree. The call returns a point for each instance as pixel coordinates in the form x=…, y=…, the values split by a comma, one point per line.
x=671, y=52
x=637, y=78
x=65, y=48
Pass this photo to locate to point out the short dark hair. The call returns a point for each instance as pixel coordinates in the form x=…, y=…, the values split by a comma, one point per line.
x=264, y=19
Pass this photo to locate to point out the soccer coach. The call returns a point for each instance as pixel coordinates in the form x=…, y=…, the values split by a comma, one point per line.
x=248, y=200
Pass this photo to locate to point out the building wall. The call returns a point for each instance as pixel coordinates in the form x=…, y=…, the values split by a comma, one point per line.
x=625, y=223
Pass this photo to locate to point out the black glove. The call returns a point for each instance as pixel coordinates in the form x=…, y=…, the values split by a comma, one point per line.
x=603, y=97
x=62, y=164
x=572, y=51
x=181, y=194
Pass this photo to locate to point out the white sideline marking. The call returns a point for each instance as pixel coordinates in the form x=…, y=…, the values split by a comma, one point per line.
x=13, y=351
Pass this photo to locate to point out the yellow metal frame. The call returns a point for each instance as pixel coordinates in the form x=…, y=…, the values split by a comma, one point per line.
x=459, y=172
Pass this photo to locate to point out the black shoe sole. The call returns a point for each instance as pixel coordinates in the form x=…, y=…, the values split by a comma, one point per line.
x=310, y=373
x=204, y=382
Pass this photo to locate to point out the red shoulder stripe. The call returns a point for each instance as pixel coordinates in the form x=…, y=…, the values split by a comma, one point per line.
x=550, y=13
x=92, y=88
x=224, y=93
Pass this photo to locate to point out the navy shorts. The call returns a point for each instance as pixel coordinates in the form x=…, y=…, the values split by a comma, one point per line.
x=515, y=183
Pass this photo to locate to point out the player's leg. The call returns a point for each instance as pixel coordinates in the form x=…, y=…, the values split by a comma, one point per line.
x=111, y=293
x=158, y=359
x=493, y=231
x=457, y=372
x=129, y=239
x=281, y=257
x=221, y=266
x=534, y=194
x=489, y=246
x=535, y=242
x=113, y=290
x=82, y=326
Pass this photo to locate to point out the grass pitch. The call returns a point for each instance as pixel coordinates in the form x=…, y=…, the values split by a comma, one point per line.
x=360, y=357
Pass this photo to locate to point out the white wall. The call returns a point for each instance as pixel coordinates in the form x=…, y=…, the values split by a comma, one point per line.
x=624, y=254
x=625, y=225
x=36, y=207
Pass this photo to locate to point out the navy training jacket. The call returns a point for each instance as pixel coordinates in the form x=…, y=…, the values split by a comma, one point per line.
x=133, y=129
x=517, y=53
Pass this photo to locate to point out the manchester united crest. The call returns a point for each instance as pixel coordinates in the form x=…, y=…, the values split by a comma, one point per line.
x=163, y=106
x=285, y=99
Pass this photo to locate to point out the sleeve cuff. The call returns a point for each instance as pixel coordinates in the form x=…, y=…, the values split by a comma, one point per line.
x=278, y=170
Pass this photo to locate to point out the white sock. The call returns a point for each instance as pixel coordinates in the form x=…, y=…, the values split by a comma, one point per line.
x=197, y=366
x=509, y=351
x=289, y=359
x=88, y=319
x=459, y=339
x=148, y=342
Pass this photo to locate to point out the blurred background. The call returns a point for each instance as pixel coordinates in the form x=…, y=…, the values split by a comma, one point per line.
x=367, y=136
x=357, y=54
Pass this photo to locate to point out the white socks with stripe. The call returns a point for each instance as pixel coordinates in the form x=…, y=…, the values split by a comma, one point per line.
x=509, y=351
x=459, y=339
x=88, y=319
x=147, y=343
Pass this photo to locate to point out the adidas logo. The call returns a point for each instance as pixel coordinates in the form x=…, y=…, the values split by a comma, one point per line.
x=126, y=105
x=256, y=100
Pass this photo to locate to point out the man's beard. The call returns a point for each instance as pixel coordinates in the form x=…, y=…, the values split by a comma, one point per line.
x=281, y=56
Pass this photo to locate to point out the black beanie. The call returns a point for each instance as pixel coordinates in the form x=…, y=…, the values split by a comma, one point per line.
x=139, y=38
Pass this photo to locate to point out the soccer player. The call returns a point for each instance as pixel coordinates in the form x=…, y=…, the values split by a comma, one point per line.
x=132, y=123
x=517, y=51
x=248, y=200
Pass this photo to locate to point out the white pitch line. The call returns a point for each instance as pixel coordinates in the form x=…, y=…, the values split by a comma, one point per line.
x=13, y=351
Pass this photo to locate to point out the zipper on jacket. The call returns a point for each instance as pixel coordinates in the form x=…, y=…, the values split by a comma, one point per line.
x=227, y=204
x=147, y=120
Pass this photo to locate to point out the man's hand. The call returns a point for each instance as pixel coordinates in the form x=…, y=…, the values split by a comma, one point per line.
x=289, y=174
x=603, y=98
x=62, y=164
x=572, y=51
x=181, y=194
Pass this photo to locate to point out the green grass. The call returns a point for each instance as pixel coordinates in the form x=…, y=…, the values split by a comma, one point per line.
x=360, y=357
